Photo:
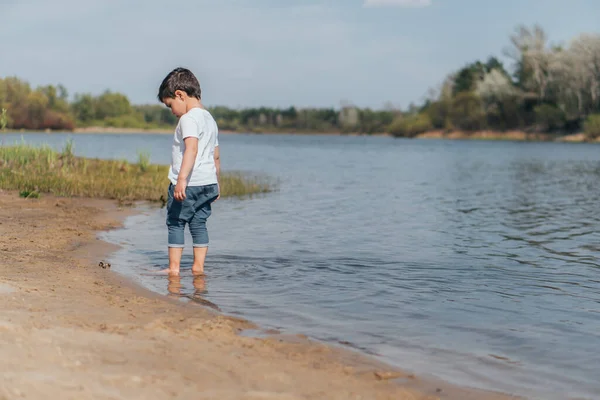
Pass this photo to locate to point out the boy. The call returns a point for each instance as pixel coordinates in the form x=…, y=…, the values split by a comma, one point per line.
x=195, y=168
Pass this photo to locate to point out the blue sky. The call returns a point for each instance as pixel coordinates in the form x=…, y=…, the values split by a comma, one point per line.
x=270, y=52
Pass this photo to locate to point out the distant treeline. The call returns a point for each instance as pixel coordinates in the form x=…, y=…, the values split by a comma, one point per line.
x=48, y=107
x=550, y=89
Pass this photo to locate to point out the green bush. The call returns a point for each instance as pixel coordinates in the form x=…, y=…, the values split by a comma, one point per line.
x=438, y=113
x=592, y=126
x=549, y=117
x=466, y=112
x=410, y=125
x=134, y=121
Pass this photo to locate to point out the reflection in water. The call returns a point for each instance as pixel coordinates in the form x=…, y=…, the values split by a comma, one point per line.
x=175, y=289
x=174, y=286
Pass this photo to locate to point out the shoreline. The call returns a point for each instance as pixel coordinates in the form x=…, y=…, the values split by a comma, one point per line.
x=71, y=328
x=515, y=135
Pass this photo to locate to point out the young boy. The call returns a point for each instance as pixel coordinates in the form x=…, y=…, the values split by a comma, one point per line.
x=195, y=168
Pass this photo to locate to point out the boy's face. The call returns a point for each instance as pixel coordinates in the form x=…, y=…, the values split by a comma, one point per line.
x=177, y=104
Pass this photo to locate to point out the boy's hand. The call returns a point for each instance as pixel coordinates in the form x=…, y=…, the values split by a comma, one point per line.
x=179, y=192
x=218, y=192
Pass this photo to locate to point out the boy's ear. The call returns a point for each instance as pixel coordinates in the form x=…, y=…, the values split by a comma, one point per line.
x=180, y=94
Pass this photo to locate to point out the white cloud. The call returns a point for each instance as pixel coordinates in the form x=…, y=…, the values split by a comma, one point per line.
x=397, y=3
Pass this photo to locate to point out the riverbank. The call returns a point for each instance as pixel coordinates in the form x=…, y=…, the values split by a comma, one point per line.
x=436, y=134
x=71, y=329
x=100, y=129
x=221, y=131
x=509, y=135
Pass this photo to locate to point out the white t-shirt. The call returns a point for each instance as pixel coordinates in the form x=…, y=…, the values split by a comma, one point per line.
x=198, y=123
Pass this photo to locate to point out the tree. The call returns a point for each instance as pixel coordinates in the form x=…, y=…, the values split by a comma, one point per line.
x=84, y=107
x=499, y=97
x=467, y=77
x=532, y=59
x=111, y=105
x=466, y=112
x=549, y=117
x=576, y=73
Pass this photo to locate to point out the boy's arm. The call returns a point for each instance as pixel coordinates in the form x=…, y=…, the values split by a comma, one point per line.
x=190, y=137
x=217, y=156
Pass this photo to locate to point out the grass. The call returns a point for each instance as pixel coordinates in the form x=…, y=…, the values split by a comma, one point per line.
x=143, y=161
x=3, y=119
x=36, y=170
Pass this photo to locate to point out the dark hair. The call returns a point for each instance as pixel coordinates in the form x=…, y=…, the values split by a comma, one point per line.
x=179, y=79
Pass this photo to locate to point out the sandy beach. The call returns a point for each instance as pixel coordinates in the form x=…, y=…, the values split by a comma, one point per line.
x=72, y=330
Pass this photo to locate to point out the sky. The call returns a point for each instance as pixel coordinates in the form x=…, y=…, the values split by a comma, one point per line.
x=274, y=53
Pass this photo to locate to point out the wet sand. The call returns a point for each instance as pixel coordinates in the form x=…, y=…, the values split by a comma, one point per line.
x=70, y=329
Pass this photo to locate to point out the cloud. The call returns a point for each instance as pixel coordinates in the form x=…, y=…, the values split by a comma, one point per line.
x=397, y=3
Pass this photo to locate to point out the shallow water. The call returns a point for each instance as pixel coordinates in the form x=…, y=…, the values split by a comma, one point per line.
x=474, y=261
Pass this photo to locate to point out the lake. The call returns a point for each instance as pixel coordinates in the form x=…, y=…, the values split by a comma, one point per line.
x=473, y=261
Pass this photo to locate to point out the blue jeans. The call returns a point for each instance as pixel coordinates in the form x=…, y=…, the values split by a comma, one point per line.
x=194, y=211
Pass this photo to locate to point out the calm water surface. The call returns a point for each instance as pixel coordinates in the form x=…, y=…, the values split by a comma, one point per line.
x=476, y=262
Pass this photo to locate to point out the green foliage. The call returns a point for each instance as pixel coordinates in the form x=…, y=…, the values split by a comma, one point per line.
x=112, y=105
x=549, y=118
x=43, y=108
x=410, y=125
x=506, y=113
x=35, y=170
x=131, y=121
x=156, y=115
x=467, y=78
x=466, y=112
x=437, y=111
x=84, y=108
x=372, y=121
x=592, y=126
x=109, y=109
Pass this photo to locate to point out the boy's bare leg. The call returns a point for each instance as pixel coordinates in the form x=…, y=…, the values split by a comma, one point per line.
x=174, y=260
x=199, y=258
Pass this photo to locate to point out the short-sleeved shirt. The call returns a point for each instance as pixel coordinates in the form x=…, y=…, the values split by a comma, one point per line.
x=198, y=123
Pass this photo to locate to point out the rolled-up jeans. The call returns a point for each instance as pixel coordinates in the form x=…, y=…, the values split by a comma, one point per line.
x=194, y=210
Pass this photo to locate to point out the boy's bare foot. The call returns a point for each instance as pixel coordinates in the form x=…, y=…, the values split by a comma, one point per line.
x=197, y=271
x=169, y=271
